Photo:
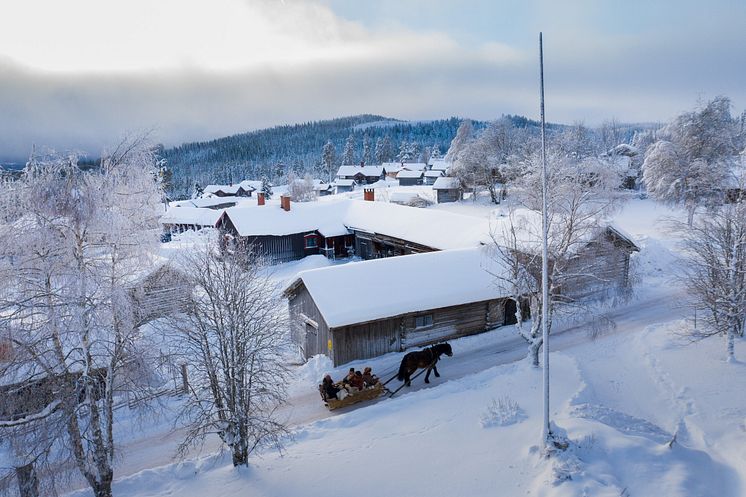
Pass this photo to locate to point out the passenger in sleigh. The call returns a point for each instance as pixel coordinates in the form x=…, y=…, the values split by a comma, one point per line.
x=356, y=382
x=369, y=378
x=330, y=388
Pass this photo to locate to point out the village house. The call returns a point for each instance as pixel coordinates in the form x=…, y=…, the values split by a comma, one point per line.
x=410, y=178
x=398, y=303
x=432, y=176
x=238, y=190
x=343, y=227
x=361, y=174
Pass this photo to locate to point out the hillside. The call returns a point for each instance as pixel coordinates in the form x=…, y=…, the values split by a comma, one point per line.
x=276, y=151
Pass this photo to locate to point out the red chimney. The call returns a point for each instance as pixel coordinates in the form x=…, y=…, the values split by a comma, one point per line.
x=369, y=194
x=362, y=163
x=260, y=198
x=285, y=202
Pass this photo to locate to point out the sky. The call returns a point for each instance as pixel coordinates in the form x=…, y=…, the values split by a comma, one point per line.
x=80, y=74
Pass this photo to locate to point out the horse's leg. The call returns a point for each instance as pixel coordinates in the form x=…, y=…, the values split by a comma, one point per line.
x=427, y=375
x=435, y=370
x=407, y=378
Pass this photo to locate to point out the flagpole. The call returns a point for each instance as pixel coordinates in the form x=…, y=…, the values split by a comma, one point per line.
x=546, y=429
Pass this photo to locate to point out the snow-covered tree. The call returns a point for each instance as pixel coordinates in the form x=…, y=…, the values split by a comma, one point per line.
x=367, y=152
x=232, y=334
x=348, y=155
x=301, y=190
x=690, y=167
x=68, y=258
x=435, y=152
x=580, y=195
x=266, y=188
x=197, y=191
x=383, y=150
x=485, y=162
x=714, y=272
x=463, y=136
x=329, y=157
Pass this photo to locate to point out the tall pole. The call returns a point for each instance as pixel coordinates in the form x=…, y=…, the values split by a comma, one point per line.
x=546, y=431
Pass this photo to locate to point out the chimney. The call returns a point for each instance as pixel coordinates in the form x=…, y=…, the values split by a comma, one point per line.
x=260, y=198
x=369, y=194
x=362, y=163
x=285, y=202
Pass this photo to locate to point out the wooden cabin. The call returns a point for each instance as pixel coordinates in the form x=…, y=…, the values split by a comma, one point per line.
x=179, y=219
x=410, y=178
x=448, y=189
x=239, y=190
x=361, y=174
x=398, y=303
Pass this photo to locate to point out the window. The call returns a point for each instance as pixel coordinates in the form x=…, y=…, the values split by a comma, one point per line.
x=311, y=241
x=423, y=321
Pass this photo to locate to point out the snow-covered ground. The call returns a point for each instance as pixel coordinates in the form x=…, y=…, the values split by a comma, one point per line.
x=647, y=413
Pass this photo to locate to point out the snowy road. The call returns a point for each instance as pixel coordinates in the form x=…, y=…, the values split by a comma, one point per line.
x=471, y=355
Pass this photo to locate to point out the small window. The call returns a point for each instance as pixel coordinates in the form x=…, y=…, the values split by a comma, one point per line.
x=311, y=241
x=423, y=321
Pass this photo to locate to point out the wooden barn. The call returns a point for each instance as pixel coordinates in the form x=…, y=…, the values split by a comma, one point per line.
x=447, y=189
x=398, y=303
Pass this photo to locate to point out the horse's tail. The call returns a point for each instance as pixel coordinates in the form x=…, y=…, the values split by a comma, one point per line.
x=402, y=370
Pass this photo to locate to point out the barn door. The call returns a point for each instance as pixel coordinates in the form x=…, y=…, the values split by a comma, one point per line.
x=312, y=341
x=510, y=309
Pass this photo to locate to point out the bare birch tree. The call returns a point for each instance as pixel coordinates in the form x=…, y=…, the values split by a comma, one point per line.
x=580, y=194
x=69, y=248
x=714, y=272
x=233, y=334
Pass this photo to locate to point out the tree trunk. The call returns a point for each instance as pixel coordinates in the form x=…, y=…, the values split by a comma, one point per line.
x=28, y=481
x=533, y=351
x=730, y=345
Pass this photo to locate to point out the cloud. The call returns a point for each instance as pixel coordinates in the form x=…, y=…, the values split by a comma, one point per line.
x=191, y=72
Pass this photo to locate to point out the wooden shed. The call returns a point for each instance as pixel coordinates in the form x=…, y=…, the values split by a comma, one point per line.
x=398, y=303
x=447, y=189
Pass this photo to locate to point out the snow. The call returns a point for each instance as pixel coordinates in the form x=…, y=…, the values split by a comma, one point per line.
x=621, y=397
x=353, y=170
x=406, y=173
x=191, y=215
x=207, y=202
x=446, y=183
x=398, y=285
x=440, y=230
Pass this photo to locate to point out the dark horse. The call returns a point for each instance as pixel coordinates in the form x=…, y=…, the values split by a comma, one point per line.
x=426, y=358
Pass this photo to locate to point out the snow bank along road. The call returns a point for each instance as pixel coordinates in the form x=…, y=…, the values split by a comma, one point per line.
x=471, y=355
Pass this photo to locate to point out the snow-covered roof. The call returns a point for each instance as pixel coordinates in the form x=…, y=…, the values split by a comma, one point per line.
x=399, y=285
x=207, y=202
x=405, y=173
x=433, y=228
x=415, y=166
x=272, y=220
x=439, y=164
x=248, y=184
x=191, y=215
x=435, y=160
x=365, y=170
x=344, y=182
x=433, y=174
x=446, y=183
x=230, y=189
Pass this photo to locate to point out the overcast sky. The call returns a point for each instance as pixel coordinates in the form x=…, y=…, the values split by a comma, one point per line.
x=78, y=74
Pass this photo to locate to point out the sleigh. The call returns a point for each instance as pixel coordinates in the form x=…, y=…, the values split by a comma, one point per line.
x=368, y=393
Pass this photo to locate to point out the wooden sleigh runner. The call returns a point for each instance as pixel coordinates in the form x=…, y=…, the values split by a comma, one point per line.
x=368, y=393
